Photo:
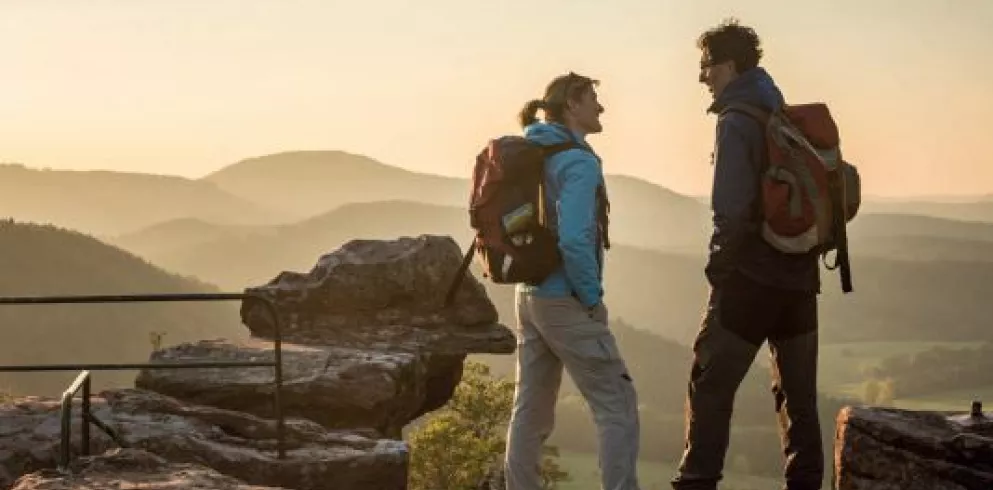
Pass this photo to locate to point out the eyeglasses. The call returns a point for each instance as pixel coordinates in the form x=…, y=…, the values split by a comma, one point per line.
x=709, y=63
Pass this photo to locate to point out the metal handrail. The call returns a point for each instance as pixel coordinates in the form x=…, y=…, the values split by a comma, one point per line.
x=82, y=381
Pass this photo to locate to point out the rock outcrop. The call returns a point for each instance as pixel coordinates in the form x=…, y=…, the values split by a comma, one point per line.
x=132, y=469
x=341, y=388
x=369, y=344
x=367, y=347
x=233, y=443
x=383, y=295
x=891, y=449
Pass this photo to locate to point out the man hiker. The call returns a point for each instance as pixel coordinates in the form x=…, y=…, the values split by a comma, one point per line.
x=562, y=321
x=757, y=293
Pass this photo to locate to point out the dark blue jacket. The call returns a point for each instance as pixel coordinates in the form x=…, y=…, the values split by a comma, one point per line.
x=739, y=156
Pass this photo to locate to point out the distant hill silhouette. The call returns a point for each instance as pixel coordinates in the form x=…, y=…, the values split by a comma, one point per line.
x=923, y=248
x=643, y=214
x=661, y=291
x=921, y=238
x=238, y=257
x=980, y=209
x=910, y=225
x=180, y=235
x=310, y=183
x=45, y=260
x=110, y=203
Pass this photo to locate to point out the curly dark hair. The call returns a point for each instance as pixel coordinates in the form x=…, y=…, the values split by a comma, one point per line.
x=730, y=41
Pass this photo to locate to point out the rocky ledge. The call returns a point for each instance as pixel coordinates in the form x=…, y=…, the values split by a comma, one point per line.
x=892, y=449
x=132, y=469
x=341, y=388
x=368, y=347
x=369, y=343
x=383, y=295
x=235, y=444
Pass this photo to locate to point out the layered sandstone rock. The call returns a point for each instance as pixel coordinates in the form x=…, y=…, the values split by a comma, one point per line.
x=383, y=295
x=891, y=449
x=368, y=347
x=343, y=388
x=235, y=444
x=368, y=343
x=132, y=469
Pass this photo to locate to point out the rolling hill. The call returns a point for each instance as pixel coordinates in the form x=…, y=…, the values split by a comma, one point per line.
x=179, y=235
x=40, y=260
x=659, y=240
x=110, y=203
x=310, y=183
x=921, y=238
x=657, y=290
x=872, y=225
x=980, y=210
x=917, y=277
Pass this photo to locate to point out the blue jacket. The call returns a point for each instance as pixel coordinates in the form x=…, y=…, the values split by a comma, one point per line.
x=571, y=181
x=739, y=156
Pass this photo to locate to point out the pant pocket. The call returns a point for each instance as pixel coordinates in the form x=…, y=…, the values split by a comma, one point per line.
x=598, y=353
x=606, y=374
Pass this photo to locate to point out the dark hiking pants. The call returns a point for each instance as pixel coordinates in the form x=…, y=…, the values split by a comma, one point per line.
x=741, y=314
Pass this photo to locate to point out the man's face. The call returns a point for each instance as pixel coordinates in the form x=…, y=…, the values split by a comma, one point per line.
x=586, y=112
x=716, y=76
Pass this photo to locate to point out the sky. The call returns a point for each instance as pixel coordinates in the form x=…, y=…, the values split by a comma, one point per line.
x=185, y=87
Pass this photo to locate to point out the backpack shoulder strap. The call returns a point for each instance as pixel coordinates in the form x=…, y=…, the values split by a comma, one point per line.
x=552, y=150
x=760, y=115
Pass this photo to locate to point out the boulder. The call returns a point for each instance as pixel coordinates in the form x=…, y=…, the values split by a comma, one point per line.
x=131, y=469
x=342, y=388
x=367, y=341
x=236, y=444
x=893, y=449
x=384, y=295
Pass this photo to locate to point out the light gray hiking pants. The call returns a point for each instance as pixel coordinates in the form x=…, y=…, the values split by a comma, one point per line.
x=554, y=333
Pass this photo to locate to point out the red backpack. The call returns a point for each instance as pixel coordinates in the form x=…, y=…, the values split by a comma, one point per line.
x=809, y=193
x=507, y=210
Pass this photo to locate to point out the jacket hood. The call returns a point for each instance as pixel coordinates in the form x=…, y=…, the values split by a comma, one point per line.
x=755, y=87
x=549, y=133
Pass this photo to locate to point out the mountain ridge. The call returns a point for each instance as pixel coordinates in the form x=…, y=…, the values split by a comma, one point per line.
x=46, y=260
x=670, y=280
x=108, y=202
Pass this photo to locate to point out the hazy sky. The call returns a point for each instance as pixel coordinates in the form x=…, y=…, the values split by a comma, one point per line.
x=186, y=87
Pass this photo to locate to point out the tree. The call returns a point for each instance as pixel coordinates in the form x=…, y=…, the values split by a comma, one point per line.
x=887, y=392
x=878, y=392
x=155, y=338
x=457, y=445
x=870, y=391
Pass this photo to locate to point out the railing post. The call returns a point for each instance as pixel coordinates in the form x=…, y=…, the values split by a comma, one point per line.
x=85, y=429
x=66, y=439
x=65, y=443
x=278, y=374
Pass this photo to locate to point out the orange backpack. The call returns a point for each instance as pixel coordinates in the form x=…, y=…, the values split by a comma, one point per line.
x=809, y=192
